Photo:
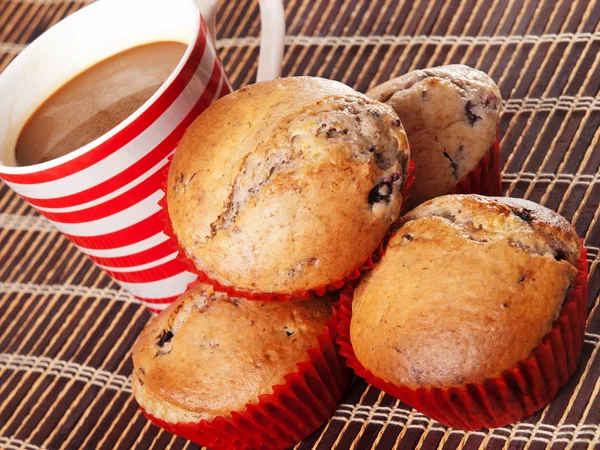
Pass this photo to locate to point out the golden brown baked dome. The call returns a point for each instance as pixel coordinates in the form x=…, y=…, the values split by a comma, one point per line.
x=468, y=286
x=207, y=354
x=450, y=114
x=287, y=185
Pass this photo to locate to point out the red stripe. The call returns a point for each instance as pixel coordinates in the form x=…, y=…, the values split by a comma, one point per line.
x=144, y=164
x=130, y=132
x=225, y=89
x=126, y=200
x=137, y=259
x=166, y=270
x=158, y=301
x=127, y=236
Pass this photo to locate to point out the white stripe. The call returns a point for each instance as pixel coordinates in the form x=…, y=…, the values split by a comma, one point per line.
x=132, y=249
x=301, y=40
x=91, y=293
x=155, y=308
x=149, y=265
x=11, y=48
x=28, y=223
x=52, y=2
x=564, y=178
x=117, y=222
x=167, y=287
x=127, y=155
x=564, y=102
x=394, y=40
x=399, y=417
x=67, y=289
x=68, y=369
x=17, y=444
x=590, y=178
x=114, y=193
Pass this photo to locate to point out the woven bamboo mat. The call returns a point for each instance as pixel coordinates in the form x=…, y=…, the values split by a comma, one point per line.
x=66, y=328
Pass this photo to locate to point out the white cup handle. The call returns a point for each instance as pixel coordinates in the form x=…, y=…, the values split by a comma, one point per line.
x=272, y=39
x=272, y=36
x=209, y=14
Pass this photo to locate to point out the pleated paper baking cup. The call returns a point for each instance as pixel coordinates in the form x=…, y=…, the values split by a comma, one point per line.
x=305, y=400
x=486, y=177
x=231, y=291
x=517, y=393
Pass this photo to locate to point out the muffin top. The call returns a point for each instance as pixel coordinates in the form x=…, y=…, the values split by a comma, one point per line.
x=207, y=354
x=450, y=114
x=468, y=286
x=287, y=185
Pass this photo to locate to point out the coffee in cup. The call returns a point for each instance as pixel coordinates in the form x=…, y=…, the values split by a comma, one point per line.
x=96, y=101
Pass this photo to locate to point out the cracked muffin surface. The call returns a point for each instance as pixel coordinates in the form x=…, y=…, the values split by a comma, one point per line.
x=287, y=185
x=468, y=286
x=207, y=354
x=450, y=114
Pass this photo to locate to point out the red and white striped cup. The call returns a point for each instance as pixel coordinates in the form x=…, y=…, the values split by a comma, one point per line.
x=105, y=196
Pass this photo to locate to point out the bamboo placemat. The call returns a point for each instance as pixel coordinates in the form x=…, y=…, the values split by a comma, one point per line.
x=66, y=328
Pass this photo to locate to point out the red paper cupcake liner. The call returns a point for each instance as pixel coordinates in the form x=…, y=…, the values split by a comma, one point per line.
x=263, y=296
x=410, y=179
x=486, y=177
x=307, y=399
x=519, y=392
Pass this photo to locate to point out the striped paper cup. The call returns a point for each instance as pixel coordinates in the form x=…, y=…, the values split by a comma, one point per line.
x=105, y=196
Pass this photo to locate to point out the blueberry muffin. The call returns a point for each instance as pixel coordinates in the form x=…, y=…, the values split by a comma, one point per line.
x=470, y=287
x=288, y=185
x=450, y=114
x=207, y=356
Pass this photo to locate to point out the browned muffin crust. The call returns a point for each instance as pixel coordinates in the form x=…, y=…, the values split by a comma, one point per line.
x=287, y=185
x=450, y=114
x=207, y=354
x=525, y=224
x=468, y=286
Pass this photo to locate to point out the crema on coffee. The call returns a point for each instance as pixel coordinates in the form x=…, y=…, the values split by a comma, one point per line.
x=96, y=101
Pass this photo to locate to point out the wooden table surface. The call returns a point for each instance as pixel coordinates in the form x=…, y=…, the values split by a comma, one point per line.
x=66, y=329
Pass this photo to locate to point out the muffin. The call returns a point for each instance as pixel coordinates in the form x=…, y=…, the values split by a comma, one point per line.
x=450, y=114
x=229, y=373
x=475, y=314
x=287, y=186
